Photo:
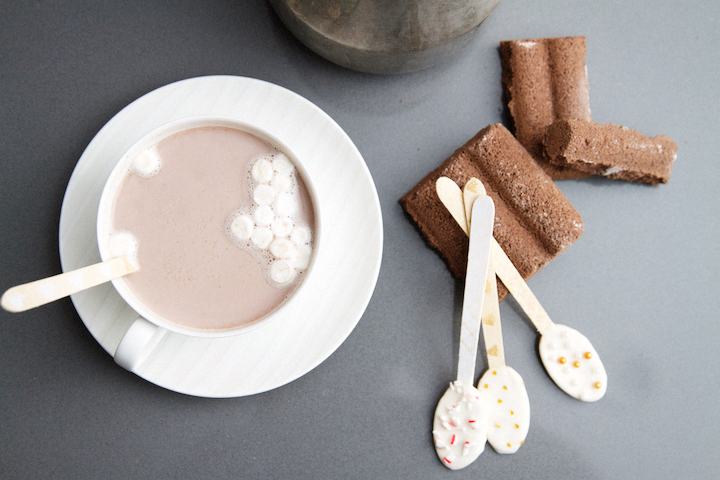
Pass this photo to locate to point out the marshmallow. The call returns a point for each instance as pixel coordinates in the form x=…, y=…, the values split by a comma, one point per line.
x=282, y=183
x=285, y=204
x=282, y=226
x=123, y=243
x=282, y=272
x=282, y=248
x=261, y=237
x=263, y=194
x=262, y=170
x=300, y=235
x=263, y=215
x=301, y=259
x=242, y=227
x=282, y=164
x=147, y=164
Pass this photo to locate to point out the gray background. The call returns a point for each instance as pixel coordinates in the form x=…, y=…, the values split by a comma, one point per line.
x=642, y=283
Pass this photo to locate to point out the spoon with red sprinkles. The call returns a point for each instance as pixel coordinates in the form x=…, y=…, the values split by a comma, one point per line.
x=461, y=417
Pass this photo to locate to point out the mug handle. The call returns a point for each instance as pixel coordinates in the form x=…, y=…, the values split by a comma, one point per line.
x=138, y=342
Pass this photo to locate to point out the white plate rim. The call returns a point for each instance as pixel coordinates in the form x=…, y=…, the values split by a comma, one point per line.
x=274, y=355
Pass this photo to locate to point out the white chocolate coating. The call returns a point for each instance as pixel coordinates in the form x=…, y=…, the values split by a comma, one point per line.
x=572, y=363
x=460, y=426
x=509, y=408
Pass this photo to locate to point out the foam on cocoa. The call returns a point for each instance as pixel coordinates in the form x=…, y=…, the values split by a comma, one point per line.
x=268, y=225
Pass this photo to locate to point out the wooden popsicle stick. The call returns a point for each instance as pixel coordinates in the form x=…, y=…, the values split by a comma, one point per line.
x=452, y=197
x=520, y=290
x=473, y=297
x=492, y=330
x=37, y=293
x=472, y=190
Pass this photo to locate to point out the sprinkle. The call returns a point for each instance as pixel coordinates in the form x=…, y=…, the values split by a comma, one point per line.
x=562, y=360
x=452, y=442
x=499, y=401
x=504, y=387
x=512, y=413
x=576, y=364
x=447, y=460
x=588, y=355
x=497, y=425
x=485, y=386
x=467, y=447
x=517, y=426
x=598, y=385
x=509, y=446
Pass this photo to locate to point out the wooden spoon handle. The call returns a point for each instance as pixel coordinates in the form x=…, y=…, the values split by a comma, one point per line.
x=491, y=328
x=452, y=197
x=474, y=296
x=33, y=294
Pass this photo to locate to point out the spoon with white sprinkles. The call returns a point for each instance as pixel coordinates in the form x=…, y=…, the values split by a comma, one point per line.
x=567, y=355
x=461, y=417
x=501, y=386
x=40, y=292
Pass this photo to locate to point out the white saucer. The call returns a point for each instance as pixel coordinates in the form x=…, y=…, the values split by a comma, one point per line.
x=327, y=310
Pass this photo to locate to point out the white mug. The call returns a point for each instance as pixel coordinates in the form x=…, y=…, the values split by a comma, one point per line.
x=149, y=328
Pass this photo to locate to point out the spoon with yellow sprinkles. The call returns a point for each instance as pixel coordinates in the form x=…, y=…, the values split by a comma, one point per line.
x=567, y=355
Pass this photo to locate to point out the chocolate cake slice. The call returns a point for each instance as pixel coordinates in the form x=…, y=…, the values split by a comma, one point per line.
x=545, y=80
x=534, y=222
x=610, y=150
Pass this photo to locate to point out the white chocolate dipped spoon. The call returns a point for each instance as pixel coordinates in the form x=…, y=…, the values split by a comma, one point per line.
x=461, y=417
x=37, y=293
x=567, y=355
x=501, y=386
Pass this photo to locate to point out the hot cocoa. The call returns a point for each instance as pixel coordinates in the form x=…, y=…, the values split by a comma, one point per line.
x=221, y=224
